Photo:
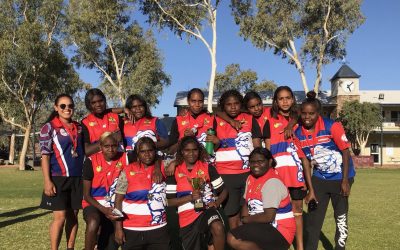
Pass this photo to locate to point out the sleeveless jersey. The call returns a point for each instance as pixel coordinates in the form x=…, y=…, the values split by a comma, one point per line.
x=186, y=212
x=201, y=123
x=145, y=201
x=232, y=156
x=286, y=154
x=284, y=220
x=144, y=127
x=264, y=117
x=105, y=177
x=97, y=126
x=320, y=148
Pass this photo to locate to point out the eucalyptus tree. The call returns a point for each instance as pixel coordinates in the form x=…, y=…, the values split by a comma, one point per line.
x=187, y=19
x=33, y=68
x=243, y=80
x=105, y=38
x=301, y=31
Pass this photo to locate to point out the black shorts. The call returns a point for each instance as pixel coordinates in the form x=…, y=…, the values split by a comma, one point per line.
x=68, y=194
x=235, y=184
x=297, y=193
x=263, y=234
x=106, y=237
x=157, y=239
x=197, y=236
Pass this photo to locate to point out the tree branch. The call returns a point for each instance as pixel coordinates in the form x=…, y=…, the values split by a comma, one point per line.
x=3, y=116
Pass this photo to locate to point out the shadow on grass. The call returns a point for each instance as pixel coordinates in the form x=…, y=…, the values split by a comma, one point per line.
x=19, y=211
x=22, y=219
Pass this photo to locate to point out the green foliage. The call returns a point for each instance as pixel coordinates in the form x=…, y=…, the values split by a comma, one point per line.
x=242, y=80
x=359, y=119
x=320, y=28
x=33, y=67
x=106, y=39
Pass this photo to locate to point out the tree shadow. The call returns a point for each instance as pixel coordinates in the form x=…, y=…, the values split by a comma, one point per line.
x=22, y=219
x=19, y=212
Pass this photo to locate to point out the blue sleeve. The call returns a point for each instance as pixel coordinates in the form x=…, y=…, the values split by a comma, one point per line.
x=161, y=129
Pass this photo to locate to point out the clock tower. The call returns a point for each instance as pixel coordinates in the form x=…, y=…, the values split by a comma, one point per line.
x=345, y=86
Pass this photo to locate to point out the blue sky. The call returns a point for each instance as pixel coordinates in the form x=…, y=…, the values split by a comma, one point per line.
x=372, y=52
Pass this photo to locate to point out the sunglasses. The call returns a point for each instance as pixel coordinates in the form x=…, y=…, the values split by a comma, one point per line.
x=70, y=106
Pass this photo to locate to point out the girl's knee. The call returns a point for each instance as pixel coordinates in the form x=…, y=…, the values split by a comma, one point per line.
x=231, y=240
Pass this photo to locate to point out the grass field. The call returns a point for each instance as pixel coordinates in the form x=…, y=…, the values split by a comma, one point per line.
x=374, y=212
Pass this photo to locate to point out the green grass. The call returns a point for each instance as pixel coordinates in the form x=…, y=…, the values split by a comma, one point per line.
x=374, y=218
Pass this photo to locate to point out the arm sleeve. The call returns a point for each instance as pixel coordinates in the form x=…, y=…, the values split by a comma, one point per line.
x=339, y=136
x=267, y=130
x=85, y=132
x=216, y=180
x=46, y=139
x=174, y=133
x=255, y=130
x=122, y=184
x=273, y=192
x=161, y=129
x=171, y=187
x=87, y=170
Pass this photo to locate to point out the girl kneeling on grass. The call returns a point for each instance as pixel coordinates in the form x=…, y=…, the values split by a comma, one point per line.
x=143, y=202
x=62, y=161
x=196, y=182
x=100, y=175
x=267, y=217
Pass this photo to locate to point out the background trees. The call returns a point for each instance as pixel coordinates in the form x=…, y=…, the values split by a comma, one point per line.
x=359, y=120
x=105, y=38
x=242, y=80
x=311, y=31
x=33, y=68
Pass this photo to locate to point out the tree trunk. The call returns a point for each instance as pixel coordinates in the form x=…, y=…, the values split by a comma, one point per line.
x=24, y=149
x=11, y=156
x=213, y=55
x=362, y=147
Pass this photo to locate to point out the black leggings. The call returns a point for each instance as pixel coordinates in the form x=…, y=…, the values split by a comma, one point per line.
x=326, y=190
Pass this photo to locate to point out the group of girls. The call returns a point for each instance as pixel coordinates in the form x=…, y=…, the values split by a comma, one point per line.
x=258, y=176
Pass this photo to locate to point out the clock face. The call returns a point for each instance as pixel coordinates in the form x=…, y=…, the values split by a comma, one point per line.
x=347, y=86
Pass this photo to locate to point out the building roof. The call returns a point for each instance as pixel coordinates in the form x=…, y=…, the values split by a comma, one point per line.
x=266, y=97
x=345, y=72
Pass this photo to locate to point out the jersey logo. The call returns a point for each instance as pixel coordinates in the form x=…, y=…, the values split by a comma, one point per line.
x=222, y=123
x=118, y=165
x=111, y=119
x=255, y=206
x=184, y=123
x=98, y=168
x=92, y=124
x=344, y=138
x=63, y=132
x=244, y=146
x=180, y=175
x=147, y=121
x=277, y=125
x=206, y=121
x=157, y=201
x=132, y=173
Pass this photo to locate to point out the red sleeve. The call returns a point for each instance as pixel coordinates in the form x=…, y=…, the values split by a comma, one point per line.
x=339, y=136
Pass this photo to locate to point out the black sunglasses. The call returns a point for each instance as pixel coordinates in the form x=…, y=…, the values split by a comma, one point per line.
x=70, y=106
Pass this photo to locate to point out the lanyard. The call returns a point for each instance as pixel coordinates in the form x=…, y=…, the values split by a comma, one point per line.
x=72, y=133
